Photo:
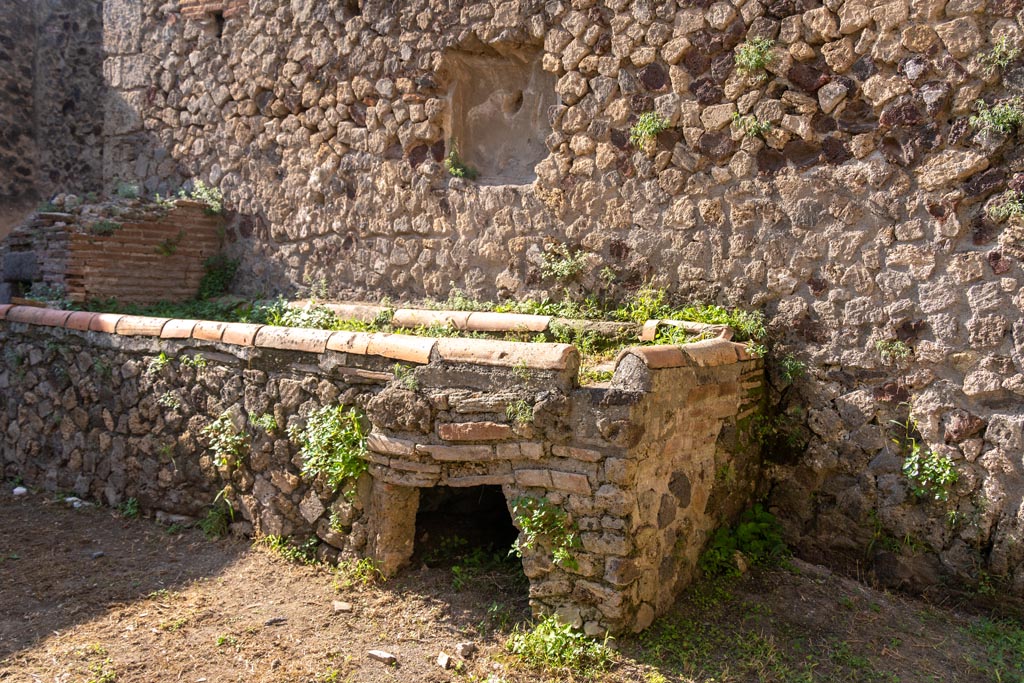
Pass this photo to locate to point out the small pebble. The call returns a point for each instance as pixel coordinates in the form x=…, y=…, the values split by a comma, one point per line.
x=465, y=650
x=340, y=606
x=97, y=555
x=274, y=620
x=20, y=491
x=383, y=657
x=444, y=661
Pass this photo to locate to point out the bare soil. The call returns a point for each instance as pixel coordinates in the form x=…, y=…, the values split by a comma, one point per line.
x=87, y=595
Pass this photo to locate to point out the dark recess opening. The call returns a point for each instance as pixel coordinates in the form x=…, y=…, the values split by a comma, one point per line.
x=218, y=22
x=454, y=522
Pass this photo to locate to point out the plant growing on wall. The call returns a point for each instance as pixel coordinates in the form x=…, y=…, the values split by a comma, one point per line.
x=543, y=523
x=1004, y=117
x=757, y=536
x=332, y=444
x=1001, y=54
x=456, y=167
x=750, y=125
x=227, y=443
x=104, y=228
x=208, y=194
x=931, y=475
x=648, y=126
x=1009, y=205
x=560, y=263
x=753, y=56
x=220, y=271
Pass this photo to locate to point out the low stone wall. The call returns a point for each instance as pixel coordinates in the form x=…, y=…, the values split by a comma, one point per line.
x=135, y=252
x=645, y=467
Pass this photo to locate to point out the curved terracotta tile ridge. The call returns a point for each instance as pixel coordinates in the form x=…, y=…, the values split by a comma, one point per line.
x=508, y=354
x=707, y=353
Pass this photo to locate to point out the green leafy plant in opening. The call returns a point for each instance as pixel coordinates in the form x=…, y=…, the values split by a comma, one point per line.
x=1001, y=54
x=332, y=444
x=753, y=55
x=227, y=443
x=169, y=246
x=266, y=422
x=750, y=125
x=169, y=400
x=931, y=475
x=157, y=364
x=208, y=194
x=197, y=361
x=1009, y=205
x=648, y=126
x=893, y=351
x=520, y=412
x=129, y=508
x=552, y=645
x=757, y=536
x=1004, y=117
x=352, y=573
x=52, y=295
x=104, y=228
x=456, y=167
x=791, y=368
x=405, y=377
x=216, y=522
x=543, y=523
x=220, y=271
x=285, y=547
x=560, y=263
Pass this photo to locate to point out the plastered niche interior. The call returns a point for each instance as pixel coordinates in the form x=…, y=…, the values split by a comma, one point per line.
x=498, y=117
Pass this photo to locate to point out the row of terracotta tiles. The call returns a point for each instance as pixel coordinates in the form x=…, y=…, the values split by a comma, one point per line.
x=409, y=348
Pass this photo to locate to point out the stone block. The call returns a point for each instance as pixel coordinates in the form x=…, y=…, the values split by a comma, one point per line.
x=389, y=445
x=534, y=478
x=570, y=482
x=474, y=431
x=457, y=453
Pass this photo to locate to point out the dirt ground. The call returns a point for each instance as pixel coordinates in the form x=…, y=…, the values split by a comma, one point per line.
x=87, y=595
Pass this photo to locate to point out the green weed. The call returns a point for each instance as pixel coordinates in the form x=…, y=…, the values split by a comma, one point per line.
x=753, y=55
x=129, y=508
x=104, y=228
x=1003, y=117
x=1001, y=54
x=227, y=443
x=520, y=412
x=332, y=444
x=553, y=646
x=208, y=194
x=456, y=167
x=648, y=126
x=561, y=264
x=219, y=272
x=757, y=536
x=750, y=125
x=540, y=522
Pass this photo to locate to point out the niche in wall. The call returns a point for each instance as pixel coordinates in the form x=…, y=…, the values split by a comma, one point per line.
x=498, y=118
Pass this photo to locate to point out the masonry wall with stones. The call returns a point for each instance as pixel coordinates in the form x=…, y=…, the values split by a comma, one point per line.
x=51, y=114
x=130, y=250
x=88, y=404
x=859, y=218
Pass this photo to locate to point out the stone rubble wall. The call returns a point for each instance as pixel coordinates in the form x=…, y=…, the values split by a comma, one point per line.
x=51, y=114
x=859, y=218
x=143, y=255
x=87, y=406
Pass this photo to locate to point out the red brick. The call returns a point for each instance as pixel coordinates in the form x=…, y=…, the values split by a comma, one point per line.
x=141, y=326
x=79, y=320
x=401, y=347
x=240, y=334
x=474, y=431
x=208, y=330
x=349, y=342
x=508, y=354
x=178, y=329
x=293, y=338
x=104, y=322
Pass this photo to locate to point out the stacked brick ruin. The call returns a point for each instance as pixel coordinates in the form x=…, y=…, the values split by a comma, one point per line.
x=140, y=253
x=634, y=463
